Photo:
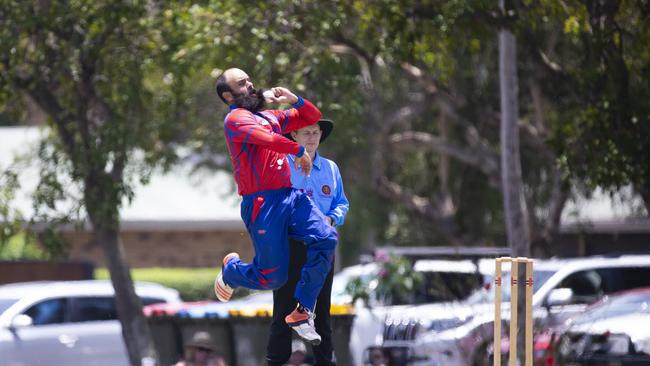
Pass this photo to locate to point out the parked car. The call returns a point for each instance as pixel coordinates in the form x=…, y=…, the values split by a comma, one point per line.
x=443, y=280
x=66, y=322
x=461, y=333
x=260, y=302
x=446, y=283
x=613, y=331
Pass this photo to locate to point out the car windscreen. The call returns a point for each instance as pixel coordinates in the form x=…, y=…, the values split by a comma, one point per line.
x=446, y=286
x=437, y=286
x=486, y=293
x=6, y=303
x=632, y=303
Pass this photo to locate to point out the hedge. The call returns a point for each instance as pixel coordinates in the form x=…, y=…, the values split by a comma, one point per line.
x=193, y=284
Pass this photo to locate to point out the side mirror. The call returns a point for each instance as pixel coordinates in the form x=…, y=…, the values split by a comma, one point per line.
x=21, y=321
x=559, y=296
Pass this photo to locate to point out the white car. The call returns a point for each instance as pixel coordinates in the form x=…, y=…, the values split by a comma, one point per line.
x=461, y=334
x=444, y=280
x=66, y=322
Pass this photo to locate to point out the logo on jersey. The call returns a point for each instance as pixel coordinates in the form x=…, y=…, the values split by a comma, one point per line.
x=326, y=189
x=262, y=121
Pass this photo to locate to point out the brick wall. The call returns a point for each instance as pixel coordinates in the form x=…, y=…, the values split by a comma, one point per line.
x=20, y=271
x=203, y=248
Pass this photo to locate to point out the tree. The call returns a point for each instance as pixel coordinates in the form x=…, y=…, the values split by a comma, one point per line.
x=425, y=67
x=10, y=219
x=93, y=68
x=594, y=59
x=414, y=86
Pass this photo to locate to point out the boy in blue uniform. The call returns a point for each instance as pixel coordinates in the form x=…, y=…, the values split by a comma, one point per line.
x=325, y=187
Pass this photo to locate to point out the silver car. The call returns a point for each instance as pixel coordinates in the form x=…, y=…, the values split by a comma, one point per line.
x=66, y=322
x=612, y=331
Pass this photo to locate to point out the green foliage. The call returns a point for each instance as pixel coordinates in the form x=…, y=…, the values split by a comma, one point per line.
x=22, y=246
x=9, y=218
x=154, y=67
x=599, y=84
x=193, y=284
x=82, y=62
x=395, y=283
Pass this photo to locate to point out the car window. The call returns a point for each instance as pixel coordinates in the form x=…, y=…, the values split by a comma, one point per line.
x=447, y=286
x=47, y=312
x=486, y=292
x=151, y=300
x=436, y=287
x=587, y=286
x=83, y=309
x=625, y=278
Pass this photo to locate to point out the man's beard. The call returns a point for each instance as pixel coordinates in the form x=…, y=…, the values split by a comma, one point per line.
x=254, y=101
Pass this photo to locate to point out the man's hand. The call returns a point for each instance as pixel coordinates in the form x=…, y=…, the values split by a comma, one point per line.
x=304, y=163
x=282, y=95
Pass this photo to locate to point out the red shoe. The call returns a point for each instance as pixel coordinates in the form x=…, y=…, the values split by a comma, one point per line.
x=303, y=323
x=221, y=288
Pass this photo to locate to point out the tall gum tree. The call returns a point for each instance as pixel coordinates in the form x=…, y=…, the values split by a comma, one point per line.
x=93, y=68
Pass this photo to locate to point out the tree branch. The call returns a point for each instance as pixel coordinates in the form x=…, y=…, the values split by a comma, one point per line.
x=41, y=94
x=422, y=206
x=486, y=162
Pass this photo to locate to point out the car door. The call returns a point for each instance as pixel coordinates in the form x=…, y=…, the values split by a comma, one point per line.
x=43, y=340
x=587, y=286
x=94, y=334
x=69, y=331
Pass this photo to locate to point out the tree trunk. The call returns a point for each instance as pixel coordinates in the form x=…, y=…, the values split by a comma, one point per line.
x=135, y=330
x=446, y=203
x=515, y=211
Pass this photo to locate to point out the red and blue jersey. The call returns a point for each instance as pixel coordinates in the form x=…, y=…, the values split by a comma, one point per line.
x=257, y=147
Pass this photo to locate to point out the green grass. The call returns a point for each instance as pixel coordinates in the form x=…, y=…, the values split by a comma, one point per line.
x=193, y=283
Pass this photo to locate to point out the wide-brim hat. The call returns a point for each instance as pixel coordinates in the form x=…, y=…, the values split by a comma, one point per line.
x=201, y=340
x=326, y=125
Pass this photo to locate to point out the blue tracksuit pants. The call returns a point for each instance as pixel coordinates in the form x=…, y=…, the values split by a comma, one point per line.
x=271, y=217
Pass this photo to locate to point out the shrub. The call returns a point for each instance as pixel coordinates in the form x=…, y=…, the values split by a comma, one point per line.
x=193, y=284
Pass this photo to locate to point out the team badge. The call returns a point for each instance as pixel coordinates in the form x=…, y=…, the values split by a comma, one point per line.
x=326, y=189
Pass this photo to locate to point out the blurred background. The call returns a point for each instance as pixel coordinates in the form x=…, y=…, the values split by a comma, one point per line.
x=514, y=125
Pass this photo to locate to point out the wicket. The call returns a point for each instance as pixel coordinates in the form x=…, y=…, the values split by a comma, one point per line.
x=514, y=272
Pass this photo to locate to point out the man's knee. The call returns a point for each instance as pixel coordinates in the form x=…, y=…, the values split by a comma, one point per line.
x=275, y=280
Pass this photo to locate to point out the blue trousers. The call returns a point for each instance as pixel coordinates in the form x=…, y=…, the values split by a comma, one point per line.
x=271, y=217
